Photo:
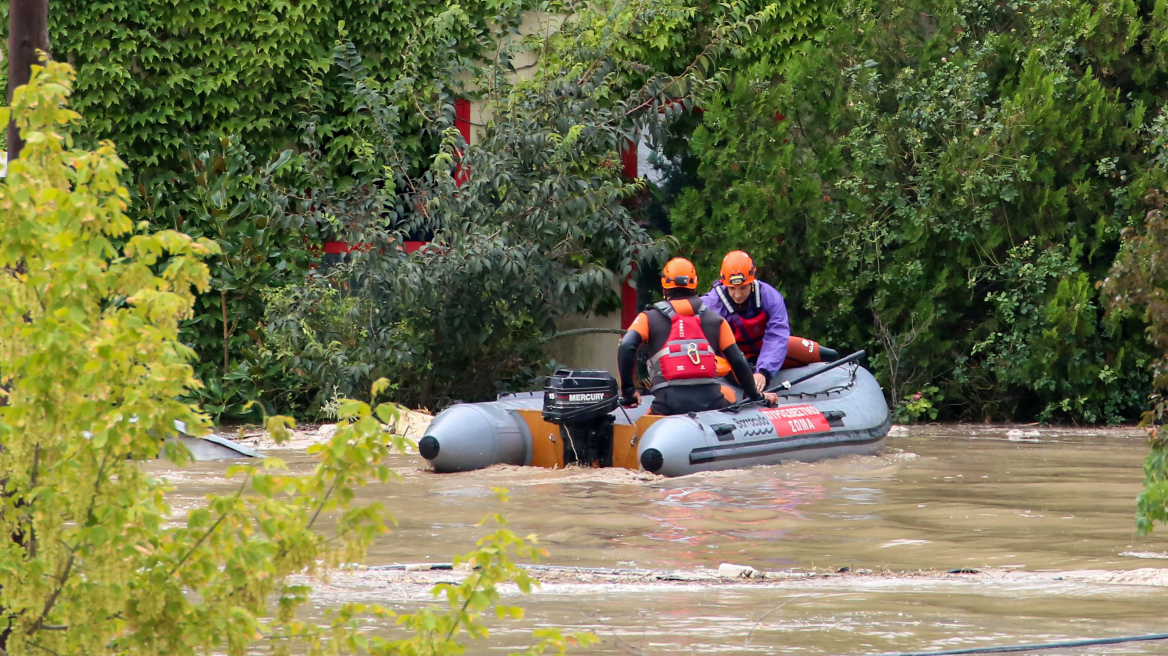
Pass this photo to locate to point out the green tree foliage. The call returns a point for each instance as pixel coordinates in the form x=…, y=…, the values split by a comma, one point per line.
x=1139, y=280
x=95, y=560
x=1137, y=284
x=941, y=183
x=151, y=78
x=222, y=194
x=945, y=181
x=529, y=222
x=536, y=231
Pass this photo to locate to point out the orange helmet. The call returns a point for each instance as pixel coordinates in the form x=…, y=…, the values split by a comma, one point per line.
x=737, y=269
x=679, y=272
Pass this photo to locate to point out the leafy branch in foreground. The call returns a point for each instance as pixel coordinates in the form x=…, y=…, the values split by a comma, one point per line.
x=436, y=631
x=97, y=561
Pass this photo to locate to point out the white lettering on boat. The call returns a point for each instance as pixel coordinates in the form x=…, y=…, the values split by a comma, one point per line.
x=800, y=425
x=793, y=411
x=797, y=419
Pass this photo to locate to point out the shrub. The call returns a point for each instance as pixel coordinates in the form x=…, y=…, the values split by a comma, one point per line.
x=94, y=558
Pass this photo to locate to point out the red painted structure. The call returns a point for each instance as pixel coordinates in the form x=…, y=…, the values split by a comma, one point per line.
x=628, y=292
x=342, y=247
x=462, y=124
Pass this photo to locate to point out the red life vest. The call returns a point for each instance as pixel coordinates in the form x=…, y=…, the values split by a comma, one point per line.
x=748, y=332
x=687, y=358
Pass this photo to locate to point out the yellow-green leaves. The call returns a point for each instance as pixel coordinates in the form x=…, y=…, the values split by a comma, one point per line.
x=95, y=560
x=93, y=371
x=437, y=630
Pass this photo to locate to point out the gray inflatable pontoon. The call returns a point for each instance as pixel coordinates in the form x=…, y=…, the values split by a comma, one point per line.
x=211, y=446
x=838, y=412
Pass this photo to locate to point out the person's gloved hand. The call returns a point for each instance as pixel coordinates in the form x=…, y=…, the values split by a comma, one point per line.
x=630, y=400
x=770, y=398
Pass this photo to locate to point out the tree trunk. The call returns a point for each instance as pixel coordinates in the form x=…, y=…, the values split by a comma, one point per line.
x=28, y=32
x=226, y=333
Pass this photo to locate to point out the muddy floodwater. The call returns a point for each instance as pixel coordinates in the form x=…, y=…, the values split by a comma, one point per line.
x=954, y=537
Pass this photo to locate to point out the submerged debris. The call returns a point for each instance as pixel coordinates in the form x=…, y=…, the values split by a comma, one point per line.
x=415, y=579
x=411, y=424
x=731, y=571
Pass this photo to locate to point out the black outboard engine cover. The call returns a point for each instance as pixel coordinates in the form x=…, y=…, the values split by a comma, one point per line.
x=579, y=395
x=581, y=402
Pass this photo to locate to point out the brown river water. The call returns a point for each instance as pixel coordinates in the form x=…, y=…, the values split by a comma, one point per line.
x=1040, y=519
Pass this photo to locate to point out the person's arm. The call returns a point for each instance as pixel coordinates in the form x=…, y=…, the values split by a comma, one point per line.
x=729, y=349
x=626, y=358
x=742, y=372
x=626, y=362
x=778, y=331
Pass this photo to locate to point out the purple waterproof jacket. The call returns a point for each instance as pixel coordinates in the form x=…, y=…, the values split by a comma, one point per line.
x=764, y=299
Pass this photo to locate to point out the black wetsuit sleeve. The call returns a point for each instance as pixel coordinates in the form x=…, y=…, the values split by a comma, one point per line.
x=626, y=361
x=742, y=371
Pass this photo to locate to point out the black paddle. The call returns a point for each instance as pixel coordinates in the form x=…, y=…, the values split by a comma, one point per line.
x=788, y=384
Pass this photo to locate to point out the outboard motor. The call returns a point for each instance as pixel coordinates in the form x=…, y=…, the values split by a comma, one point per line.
x=581, y=402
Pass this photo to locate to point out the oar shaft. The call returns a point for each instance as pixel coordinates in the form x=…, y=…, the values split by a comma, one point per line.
x=788, y=384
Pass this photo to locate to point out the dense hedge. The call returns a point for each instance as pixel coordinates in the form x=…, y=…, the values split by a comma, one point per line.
x=151, y=76
x=943, y=183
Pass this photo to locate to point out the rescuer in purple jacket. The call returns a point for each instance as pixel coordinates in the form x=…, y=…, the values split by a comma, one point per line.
x=756, y=313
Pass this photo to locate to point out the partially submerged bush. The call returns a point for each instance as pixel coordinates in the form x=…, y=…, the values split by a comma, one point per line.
x=220, y=192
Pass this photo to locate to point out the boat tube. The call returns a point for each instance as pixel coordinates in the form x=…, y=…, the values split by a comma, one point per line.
x=215, y=447
x=576, y=420
x=211, y=446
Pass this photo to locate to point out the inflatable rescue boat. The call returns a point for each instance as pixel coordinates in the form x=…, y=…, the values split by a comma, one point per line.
x=824, y=410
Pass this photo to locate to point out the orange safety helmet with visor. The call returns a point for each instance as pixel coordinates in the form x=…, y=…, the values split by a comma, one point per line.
x=737, y=269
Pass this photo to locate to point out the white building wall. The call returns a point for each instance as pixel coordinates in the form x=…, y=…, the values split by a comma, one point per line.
x=596, y=351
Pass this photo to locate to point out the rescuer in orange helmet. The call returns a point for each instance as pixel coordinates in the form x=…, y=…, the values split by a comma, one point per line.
x=757, y=315
x=685, y=339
